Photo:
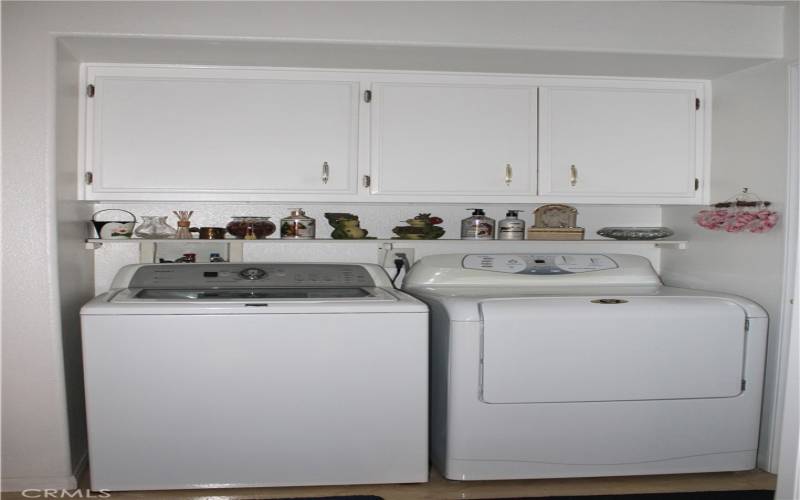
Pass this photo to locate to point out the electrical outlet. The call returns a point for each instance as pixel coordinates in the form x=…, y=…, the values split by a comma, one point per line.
x=390, y=254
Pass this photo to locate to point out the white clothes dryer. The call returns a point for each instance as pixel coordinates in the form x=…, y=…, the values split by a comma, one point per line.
x=566, y=365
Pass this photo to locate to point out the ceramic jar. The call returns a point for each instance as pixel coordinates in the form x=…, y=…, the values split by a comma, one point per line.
x=298, y=226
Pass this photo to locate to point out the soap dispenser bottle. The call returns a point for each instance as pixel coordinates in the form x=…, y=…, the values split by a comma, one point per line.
x=478, y=226
x=512, y=227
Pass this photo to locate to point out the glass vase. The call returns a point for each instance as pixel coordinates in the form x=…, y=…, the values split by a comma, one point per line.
x=154, y=227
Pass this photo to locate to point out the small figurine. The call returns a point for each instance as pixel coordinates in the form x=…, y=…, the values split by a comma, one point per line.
x=555, y=215
x=346, y=226
x=555, y=222
x=421, y=227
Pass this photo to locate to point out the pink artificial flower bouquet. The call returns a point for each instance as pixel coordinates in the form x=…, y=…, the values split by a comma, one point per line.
x=736, y=221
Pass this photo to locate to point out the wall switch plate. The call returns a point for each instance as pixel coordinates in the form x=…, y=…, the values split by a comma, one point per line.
x=386, y=256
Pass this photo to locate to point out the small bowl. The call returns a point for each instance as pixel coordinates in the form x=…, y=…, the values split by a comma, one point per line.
x=636, y=233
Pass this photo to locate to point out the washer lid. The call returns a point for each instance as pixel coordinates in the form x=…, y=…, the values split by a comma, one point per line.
x=224, y=297
x=250, y=293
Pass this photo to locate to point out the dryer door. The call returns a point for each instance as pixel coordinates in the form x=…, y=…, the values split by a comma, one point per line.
x=569, y=349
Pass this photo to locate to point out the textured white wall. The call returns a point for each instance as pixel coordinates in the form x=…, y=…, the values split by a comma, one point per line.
x=788, y=485
x=625, y=27
x=74, y=265
x=34, y=417
x=379, y=221
x=749, y=149
x=37, y=225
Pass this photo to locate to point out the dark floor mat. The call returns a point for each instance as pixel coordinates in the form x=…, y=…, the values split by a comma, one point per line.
x=346, y=497
x=697, y=495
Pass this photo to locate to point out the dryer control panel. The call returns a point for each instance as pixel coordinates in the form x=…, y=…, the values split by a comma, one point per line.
x=539, y=264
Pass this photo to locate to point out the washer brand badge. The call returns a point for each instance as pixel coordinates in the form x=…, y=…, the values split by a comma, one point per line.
x=50, y=493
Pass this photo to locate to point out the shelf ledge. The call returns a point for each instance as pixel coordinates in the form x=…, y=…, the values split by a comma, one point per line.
x=96, y=243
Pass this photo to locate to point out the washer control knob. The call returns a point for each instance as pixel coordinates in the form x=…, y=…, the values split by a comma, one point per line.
x=253, y=273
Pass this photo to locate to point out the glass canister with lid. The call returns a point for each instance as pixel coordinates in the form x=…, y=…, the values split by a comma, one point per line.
x=298, y=226
x=250, y=228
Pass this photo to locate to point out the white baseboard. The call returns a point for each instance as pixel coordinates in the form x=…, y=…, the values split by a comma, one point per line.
x=48, y=482
x=40, y=483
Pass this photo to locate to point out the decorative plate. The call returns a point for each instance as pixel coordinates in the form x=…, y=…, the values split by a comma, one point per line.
x=636, y=233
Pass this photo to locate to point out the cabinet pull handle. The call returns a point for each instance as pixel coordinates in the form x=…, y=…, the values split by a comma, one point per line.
x=325, y=172
x=509, y=174
x=573, y=175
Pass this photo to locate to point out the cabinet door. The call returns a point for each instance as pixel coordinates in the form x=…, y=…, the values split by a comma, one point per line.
x=184, y=133
x=453, y=139
x=623, y=144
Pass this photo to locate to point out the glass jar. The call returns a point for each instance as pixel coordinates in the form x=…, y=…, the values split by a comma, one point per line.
x=154, y=227
x=250, y=228
x=298, y=226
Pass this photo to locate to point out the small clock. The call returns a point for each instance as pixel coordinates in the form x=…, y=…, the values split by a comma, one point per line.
x=555, y=215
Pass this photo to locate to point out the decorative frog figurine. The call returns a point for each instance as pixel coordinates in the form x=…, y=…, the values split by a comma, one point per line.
x=346, y=226
x=421, y=227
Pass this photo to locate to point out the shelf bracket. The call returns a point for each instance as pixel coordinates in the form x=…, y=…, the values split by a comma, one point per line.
x=147, y=252
x=677, y=245
x=236, y=251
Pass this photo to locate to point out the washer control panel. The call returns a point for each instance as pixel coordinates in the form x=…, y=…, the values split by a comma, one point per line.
x=539, y=264
x=230, y=275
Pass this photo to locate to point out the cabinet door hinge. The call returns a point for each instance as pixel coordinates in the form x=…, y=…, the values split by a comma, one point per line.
x=747, y=325
x=744, y=385
x=88, y=178
x=696, y=183
x=90, y=90
x=367, y=181
x=367, y=96
x=697, y=103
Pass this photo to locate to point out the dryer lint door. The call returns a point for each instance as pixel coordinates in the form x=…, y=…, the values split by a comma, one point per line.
x=569, y=349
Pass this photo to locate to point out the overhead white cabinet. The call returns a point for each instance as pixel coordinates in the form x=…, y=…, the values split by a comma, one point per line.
x=153, y=132
x=640, y=142
x=453, y=139
x=219, y=133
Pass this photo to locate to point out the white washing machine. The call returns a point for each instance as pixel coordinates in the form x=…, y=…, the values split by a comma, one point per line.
x=549, y=365
x=234, y=375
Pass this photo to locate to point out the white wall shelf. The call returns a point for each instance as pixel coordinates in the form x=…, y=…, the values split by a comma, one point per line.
x=96, y=243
